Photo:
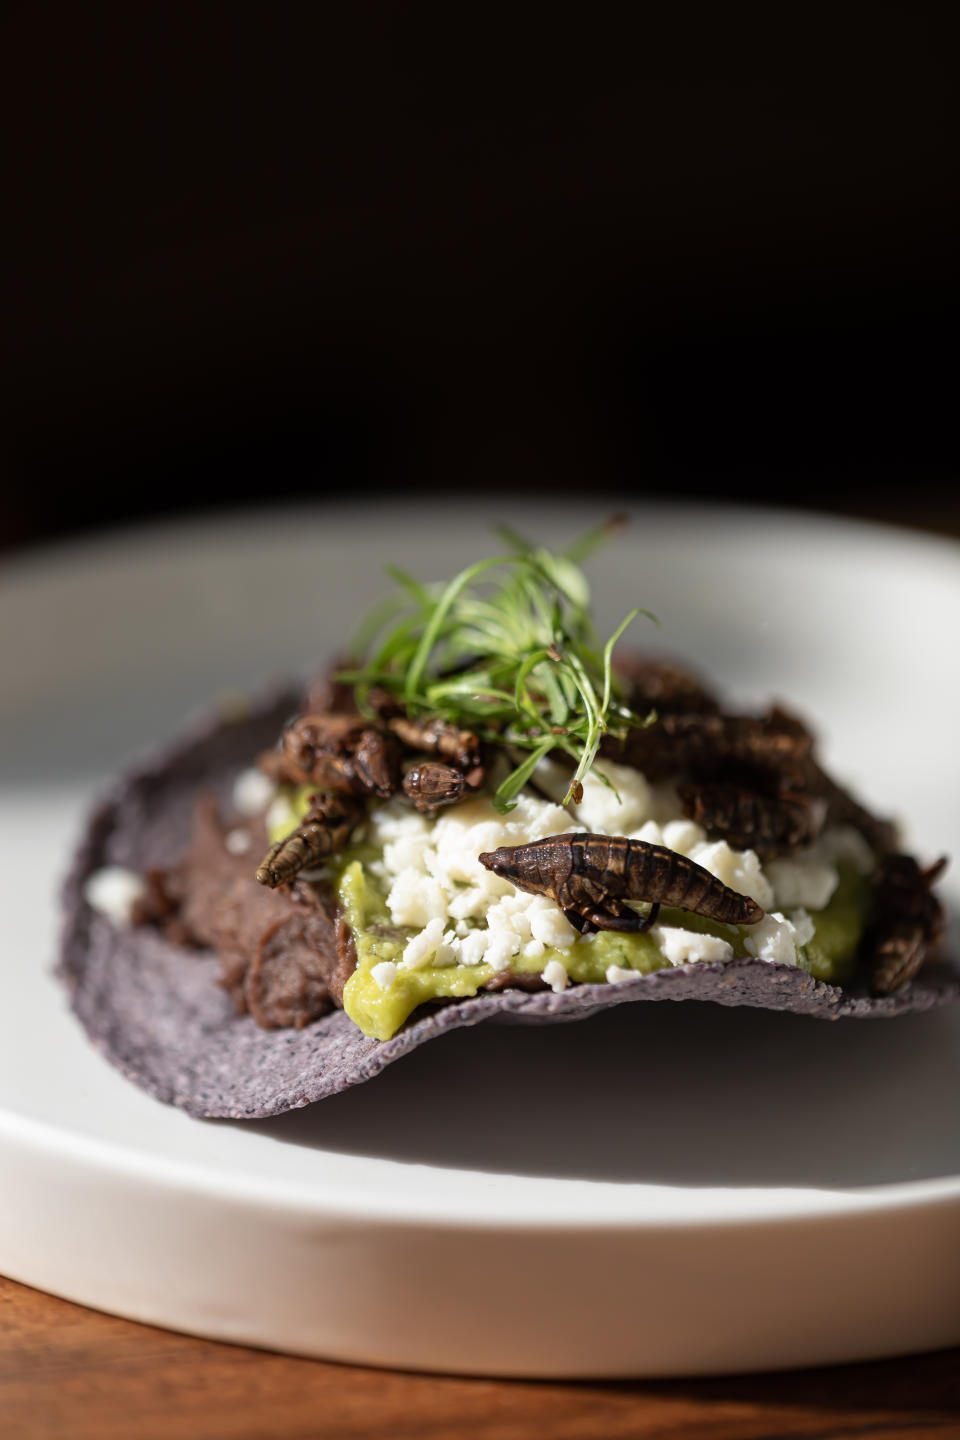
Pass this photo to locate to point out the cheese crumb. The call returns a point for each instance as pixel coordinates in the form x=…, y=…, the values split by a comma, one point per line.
x=424, y=946
x=803, y=926
x=616, y=974
x=843, y=842
x=617, y=807
x=799, y=880
x=555, y=975
x=385, y=973
x=113, y=892
x=682, y=835
x=551, y=927
x=687, y=947
x=417, y=900
x=739, y=869
x=775, y=939
x=473, y=947
x=252, y=792
x=238, y=842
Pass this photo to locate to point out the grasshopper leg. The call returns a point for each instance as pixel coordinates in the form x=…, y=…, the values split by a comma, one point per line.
x=627, y=921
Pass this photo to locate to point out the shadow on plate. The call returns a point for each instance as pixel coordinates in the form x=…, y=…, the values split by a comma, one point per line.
x=672, y=1094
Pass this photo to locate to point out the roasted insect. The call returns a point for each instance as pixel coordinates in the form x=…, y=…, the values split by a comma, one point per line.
x=336, y=751
x=768, y=824
x=664, y=686
x=350, y=759
x=701, y=744
x=436, y=737
x=907, y=922
x=328, y=825
x=727, y=760
x=327, y=693
x=431, y=785
x=592, y=877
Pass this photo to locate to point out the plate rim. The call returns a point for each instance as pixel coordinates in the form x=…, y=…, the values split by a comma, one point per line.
x=64, y=558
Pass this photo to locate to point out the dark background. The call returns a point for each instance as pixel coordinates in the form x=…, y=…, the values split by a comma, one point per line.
x=402, y=250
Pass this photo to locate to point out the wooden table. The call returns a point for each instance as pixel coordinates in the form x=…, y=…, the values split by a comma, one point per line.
x=70, y=1372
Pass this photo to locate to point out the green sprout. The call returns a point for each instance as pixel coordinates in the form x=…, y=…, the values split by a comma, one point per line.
x=506, y=649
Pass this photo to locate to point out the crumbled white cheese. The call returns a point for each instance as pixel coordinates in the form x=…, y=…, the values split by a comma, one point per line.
x=555, y=975
x=432, y=873
x=252, y=792
x=395, y=821
x=682, y=835
x=419, y=951
x=776, y=938
x=473, y=947
x=463, y=914
x=686, y=947
x=280, y=815
x=385, y=973
x=803, y=926
x=501, y=948
x=469, y=903
x=448, y=951
x=404, y=839
x=800, y=880
x=664, y=802
x=510, y=916
x=416, y=899
x=616, y=799
x=842, y=843
x=550, y=926
x=238, y=842
x=739, y=869
x=113, y=891
x=616, y=974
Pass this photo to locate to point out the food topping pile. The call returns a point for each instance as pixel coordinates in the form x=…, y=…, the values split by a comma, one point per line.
x=479, y=798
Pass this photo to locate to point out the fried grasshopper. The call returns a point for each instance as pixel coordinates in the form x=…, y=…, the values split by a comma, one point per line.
x=595, y=878
x=336, y=751
x=327, y=827
x=907, y=923
x=430, y=785
x=751, y=780
x=351, y=759
x=750, y=819
x=459, y=748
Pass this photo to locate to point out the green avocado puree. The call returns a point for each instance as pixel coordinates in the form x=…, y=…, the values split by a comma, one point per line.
x=830, y=955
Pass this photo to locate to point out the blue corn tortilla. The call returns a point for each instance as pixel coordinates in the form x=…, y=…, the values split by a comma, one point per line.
x=158, y=1013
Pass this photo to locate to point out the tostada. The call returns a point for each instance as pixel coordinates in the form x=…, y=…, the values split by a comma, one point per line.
x=480, y=812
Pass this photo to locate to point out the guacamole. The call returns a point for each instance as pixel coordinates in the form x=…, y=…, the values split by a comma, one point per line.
x=830, y=955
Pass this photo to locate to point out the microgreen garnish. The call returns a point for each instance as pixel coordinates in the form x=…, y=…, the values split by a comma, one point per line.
x=505, y=649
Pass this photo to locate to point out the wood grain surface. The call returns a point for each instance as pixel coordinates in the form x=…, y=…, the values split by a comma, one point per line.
x=73, y=1373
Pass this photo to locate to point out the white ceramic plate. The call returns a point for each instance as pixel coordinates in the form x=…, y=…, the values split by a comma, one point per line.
x=668, y=1189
